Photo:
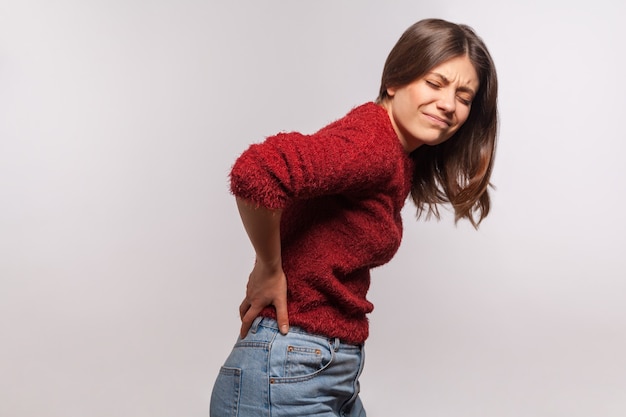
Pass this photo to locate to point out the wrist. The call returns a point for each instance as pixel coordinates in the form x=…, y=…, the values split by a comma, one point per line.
x=270, y=265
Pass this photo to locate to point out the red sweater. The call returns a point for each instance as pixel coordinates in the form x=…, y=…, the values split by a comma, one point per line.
x=341, y=190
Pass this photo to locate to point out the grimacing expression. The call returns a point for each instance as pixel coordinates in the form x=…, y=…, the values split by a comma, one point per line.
x=430, y=109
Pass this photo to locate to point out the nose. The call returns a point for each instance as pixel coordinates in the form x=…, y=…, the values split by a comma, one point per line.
x=447, y=101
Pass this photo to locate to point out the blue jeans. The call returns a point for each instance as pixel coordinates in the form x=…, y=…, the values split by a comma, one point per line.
x=296, y=375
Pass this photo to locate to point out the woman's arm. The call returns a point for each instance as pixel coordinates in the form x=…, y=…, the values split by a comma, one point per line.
x=267, y=284
x=355, y=154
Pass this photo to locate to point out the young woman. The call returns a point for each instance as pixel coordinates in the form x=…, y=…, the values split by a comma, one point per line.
x=321, y=210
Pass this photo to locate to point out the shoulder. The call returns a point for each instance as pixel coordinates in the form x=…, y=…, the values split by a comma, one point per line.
x=368, y=123
x=368, y=117
x=366, y=131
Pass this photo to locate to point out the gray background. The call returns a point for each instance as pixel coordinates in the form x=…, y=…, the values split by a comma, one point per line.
x=122, y=259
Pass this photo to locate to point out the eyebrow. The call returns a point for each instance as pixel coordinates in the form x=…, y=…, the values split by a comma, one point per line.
x=446, y=81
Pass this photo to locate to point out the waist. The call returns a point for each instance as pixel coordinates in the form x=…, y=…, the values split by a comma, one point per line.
x=336, y=342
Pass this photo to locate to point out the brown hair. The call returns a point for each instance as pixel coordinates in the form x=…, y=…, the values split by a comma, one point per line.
x=458, y=170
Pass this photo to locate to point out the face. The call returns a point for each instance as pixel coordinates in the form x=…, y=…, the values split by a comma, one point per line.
x=429, y=110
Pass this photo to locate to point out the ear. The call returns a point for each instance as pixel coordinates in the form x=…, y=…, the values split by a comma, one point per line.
x=391, y=91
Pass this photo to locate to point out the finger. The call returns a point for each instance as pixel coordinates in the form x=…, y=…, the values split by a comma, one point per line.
x=243, y=308
x=247, y=320
x=282, y=317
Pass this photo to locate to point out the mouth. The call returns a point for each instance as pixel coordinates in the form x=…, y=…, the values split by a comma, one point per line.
x=439, y=121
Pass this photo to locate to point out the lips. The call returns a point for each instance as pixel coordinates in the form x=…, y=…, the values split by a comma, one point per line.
x=440, y=121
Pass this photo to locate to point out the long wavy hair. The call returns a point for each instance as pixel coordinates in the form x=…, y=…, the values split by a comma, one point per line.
x=458, y=170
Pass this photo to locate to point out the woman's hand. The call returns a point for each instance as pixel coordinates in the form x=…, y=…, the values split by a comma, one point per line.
x=267, y=285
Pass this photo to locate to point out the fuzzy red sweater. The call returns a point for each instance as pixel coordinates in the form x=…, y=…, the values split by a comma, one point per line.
x=341, y=190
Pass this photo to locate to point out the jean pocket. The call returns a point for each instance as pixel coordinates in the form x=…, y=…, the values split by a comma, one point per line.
x=299, y=359
x=303, y=360
x=226, y=393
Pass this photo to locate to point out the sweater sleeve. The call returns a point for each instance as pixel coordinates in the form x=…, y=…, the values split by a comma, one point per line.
x=354, y=153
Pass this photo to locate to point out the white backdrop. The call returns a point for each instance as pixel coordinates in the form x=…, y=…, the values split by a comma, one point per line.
x=122, y=259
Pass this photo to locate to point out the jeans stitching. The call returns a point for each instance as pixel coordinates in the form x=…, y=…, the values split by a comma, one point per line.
x=295, y=379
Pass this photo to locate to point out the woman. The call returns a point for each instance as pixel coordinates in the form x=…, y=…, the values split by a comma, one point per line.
x=321, y=210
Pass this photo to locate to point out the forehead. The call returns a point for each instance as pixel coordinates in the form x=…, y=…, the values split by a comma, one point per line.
x=459, y=71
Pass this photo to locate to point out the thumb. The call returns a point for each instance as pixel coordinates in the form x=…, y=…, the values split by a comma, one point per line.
x=282, y=317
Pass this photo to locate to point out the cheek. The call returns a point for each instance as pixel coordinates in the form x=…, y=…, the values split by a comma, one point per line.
x=462, y=116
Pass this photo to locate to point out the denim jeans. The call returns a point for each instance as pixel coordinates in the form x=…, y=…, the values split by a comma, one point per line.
x=295, y=375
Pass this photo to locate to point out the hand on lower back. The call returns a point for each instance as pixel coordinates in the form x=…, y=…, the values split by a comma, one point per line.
x=266, y=286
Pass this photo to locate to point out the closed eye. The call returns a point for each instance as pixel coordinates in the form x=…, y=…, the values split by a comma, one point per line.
x=465, y=100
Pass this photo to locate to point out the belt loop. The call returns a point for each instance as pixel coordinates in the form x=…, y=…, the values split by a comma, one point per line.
x=255, y=325
x=336, y=344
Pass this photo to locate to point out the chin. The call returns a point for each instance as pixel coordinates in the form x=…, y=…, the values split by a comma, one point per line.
x=436, y=138
x=441, y=139
x=434, y=141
